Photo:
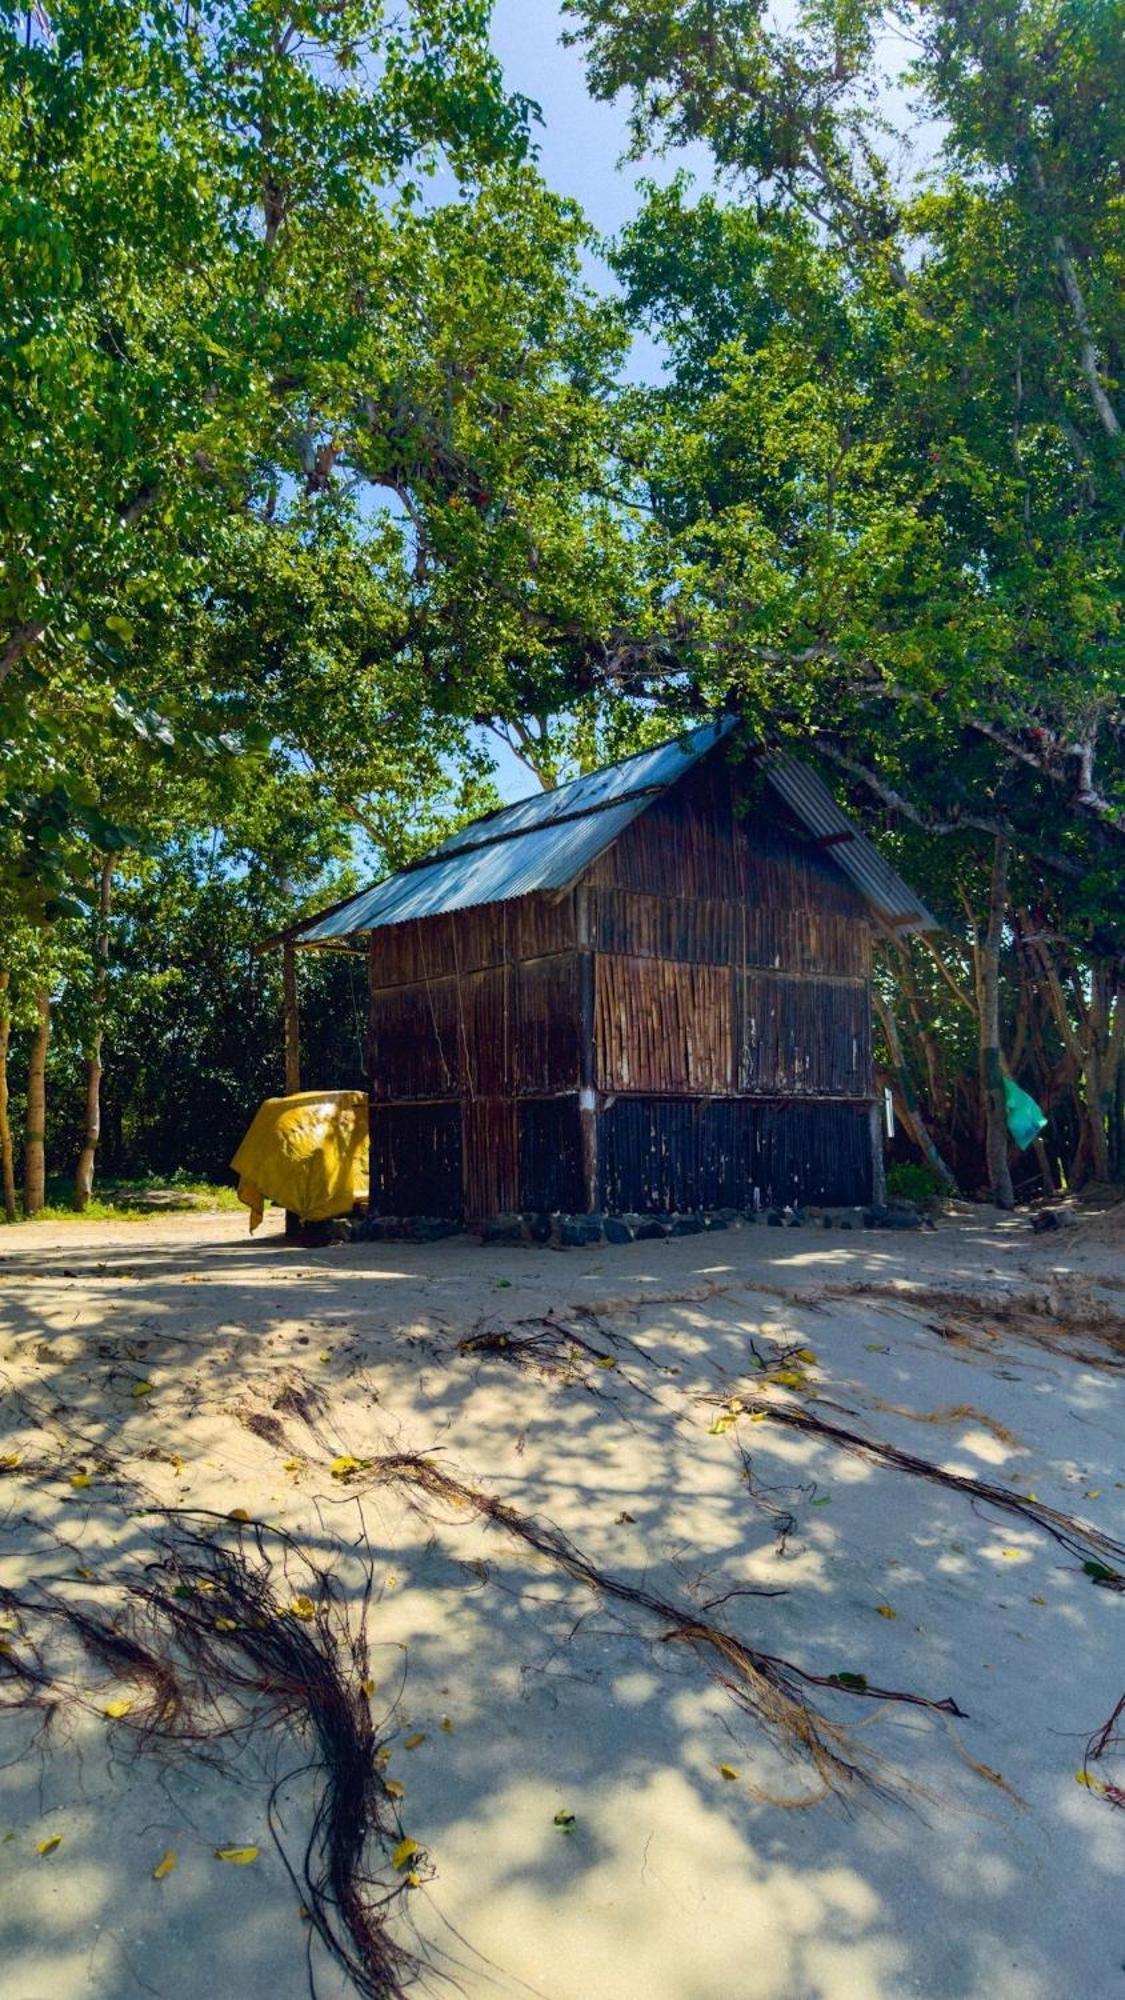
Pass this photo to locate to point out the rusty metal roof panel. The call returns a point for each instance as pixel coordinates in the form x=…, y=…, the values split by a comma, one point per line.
x=881, y=885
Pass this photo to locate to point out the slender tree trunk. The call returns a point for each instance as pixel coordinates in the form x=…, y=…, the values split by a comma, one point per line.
x=7, y=1159
x=908, y=1102
x=992, y=1075
x=84, y=1172
x=35, y=1131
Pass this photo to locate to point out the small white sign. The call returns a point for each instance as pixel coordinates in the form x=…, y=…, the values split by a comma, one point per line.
x=889, y=1111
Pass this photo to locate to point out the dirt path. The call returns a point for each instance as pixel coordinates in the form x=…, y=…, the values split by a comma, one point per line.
x=176, y=1363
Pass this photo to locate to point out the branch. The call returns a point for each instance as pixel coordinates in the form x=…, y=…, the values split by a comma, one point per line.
x=975, y=822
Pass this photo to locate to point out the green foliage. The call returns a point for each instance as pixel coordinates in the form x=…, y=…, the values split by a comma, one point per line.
x=907, y=1181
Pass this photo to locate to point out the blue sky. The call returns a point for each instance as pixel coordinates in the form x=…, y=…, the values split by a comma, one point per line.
x=580, y=144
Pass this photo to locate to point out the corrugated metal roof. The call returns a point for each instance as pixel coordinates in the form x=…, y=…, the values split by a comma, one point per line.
x=545, y=857
x=882, y=886
x=545, y=842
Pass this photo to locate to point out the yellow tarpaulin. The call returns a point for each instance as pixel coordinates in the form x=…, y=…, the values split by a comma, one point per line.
x=307, y=1153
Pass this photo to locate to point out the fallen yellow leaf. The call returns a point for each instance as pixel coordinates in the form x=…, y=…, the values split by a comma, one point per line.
x=447, y=1724
x=393, y=1789
x=48, y=1846
x=302, y=1607
x=1038, y=1600
x=404, y=1852
x=1011, y=1555
x=606, y=1361
x=141, y=1389
x=344, y=1466
x=165, y=1865
x=885, y=1611
x=225, y=1625
x=116, y=1709
x=412, y=1742
x=9, y=1461
x=80, y=1479
x=728, y=1772
x=292, y=1465
x=240, y=1856
x=238, y=1514
x=1092, y=1784
x=368, y=1686
x=1093, y=1493
x=806, y=1355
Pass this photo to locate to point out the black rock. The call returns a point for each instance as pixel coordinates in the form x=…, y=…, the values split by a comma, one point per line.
x=716, y=1222
x=773, y=1219
x=617, y=1231
x=1047, y=1218
x=650, y=1229
x=431, y=1229
x=688, y=1225
x=576, y=1231
x=498, y=1229
x=538, y=1227
x=826, y=1222
x=846, y=1222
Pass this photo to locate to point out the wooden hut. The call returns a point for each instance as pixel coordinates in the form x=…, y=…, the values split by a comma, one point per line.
x=648, y=990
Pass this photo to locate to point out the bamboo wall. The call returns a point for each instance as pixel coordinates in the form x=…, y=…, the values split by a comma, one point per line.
x=689, y=1022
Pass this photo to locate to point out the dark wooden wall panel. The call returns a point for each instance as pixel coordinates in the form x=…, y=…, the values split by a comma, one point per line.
x=485, y=1003
x=663, y=1154
x=489, y=1142
x=663, y=1026
x=550, y=1155
x=804, y=1037
x=784, y=868
x=800, y=941
x=472, y=940
x=415, y=1047
x=416, y=1160
x=547, y=1016
x=675, y=927
x=813, y=1152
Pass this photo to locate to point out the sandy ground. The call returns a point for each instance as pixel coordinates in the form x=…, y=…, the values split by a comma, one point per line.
x=533, y=1696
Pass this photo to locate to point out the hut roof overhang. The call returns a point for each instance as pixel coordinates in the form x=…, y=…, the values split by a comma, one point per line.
x=548, y=841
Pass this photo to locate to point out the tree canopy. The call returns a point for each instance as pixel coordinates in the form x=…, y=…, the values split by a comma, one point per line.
x=326, y=458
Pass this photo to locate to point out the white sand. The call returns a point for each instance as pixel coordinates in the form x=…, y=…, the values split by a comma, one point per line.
x=674, y=1884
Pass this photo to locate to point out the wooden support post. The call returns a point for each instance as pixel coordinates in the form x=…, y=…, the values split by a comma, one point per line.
x=587, y=1092
x=878, y=1170
x=292, y=1019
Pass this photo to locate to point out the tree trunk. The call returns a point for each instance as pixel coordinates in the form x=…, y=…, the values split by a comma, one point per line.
x=992, y=1076
x=84, y=1172
x=35, y=1131
x=908, y=1102
x=7, y=1161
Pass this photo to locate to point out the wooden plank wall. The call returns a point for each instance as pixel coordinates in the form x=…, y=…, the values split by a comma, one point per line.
x=471, y=1013
x=667, y=1153
x=745, y=972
